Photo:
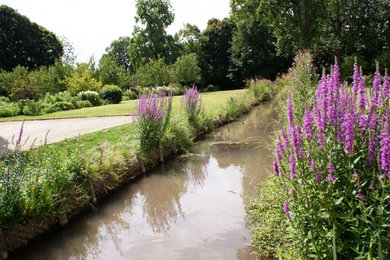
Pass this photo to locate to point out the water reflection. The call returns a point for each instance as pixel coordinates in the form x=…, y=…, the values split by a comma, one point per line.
x=191, y=209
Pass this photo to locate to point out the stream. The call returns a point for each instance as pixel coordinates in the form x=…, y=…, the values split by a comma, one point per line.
x=191, y=207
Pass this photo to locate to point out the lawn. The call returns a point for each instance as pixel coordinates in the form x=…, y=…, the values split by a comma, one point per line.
x=211, y=100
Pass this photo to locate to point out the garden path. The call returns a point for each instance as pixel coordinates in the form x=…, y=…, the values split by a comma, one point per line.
x=55, y=129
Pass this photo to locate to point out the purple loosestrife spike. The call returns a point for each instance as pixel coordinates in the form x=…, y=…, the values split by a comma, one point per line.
x=279, y=151
x=293, y=173
x=356, y=78
x=362, y=94
x=286, y=208
x=285, y=138
x=319, y=177
x=290, y=111
x=276, y=168
x=385, y=150
x=385, y=86
x=308, y=124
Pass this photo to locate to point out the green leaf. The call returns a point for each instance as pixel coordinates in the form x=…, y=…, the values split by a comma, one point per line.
x=339, y=201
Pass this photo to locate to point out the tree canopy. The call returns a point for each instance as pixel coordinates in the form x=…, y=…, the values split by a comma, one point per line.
x=25, y=43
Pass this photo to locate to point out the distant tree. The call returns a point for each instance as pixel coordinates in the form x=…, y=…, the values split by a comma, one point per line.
x=150, y=41
x=189, y=39
x=154, y=73
x=82, y=79
x=186, y=70
x=214, y=56
x=111, y=73
x=253, y=50
x=119, y=50
x=25, y=43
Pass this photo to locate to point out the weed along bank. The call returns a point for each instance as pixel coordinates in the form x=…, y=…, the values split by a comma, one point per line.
x=73, y=175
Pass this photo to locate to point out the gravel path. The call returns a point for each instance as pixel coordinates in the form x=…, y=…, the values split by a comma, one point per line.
x=55, y=129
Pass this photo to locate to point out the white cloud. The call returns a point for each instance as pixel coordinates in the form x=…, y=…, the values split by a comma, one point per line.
x=91, y=25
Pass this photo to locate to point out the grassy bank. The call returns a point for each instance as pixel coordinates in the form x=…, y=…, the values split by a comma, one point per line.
x=212, y=100
x=49, y=185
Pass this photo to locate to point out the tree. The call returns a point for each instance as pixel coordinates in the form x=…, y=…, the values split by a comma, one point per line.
x=119, y=50
x=189, y=39
x=25, y=43
x=82, y=79
x=150, y=40
x=186, y=69
x=253, y=51
x=214, y=59
x=111, y=73
x=154, y=73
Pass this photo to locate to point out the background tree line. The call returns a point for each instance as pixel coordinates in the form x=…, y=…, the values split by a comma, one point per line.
x=258, y=40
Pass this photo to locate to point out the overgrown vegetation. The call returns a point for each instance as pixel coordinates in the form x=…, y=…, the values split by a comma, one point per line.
x=331, y=164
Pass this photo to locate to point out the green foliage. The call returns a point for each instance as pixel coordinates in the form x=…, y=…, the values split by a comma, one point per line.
x=154, y=73
x=214, y=57
x=270, y=231
x=111, y=94
x=82, y=80
x=32, y=182
x=92, y=96
x=25, y=43
x=34, y=108
x=300, y=82
x=261, y=89
x=151, y=42
x=59, y=106
x=119, y=50
x=83, y=103
x=110, y=72
x=22, y=86
x=130, y=94
x=8, y=110
x=179, y=134
x=186, y=69
x=189, y=39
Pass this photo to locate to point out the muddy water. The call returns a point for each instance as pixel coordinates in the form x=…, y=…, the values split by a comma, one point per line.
x=191, y=208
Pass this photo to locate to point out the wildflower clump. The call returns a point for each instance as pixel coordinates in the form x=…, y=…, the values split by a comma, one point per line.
x=335, y=169
x=153, y=114
x=192, y=102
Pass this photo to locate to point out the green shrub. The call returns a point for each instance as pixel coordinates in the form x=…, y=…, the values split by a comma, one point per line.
x=59, y=106
x=179, y=134
x=261, y=89
x=83, y=103
x=209, y=88
x=34, y=108
x=8, y=110
x=4, y=100
x=82, y=80
x=91, y=96
x=111, y=94
x=130, y=94
x=186, y=70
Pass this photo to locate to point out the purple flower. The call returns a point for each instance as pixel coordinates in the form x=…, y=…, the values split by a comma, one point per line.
x=385, y=87
x=360, y=196
x=385, y=150
x=362, y=94
x=20, y=134
x=286, y=208
x=279, y=151
x=355, y=176
x=290, y=111
x=276, y=168
x=8, y=173
x=356, y=78
x=331, y=177
x=308, y=124
x=313, y=166
x=285, y=138
x=192, y=101
x=293, y=173
x=331, y=168
x=319, y=177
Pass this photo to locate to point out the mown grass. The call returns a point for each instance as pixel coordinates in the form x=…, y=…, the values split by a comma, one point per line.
x=212, y=102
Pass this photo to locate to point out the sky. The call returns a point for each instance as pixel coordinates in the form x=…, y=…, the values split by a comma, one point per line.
x=91, y=25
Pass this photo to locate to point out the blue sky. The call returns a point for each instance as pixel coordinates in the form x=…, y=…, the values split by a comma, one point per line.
x=91, y=25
